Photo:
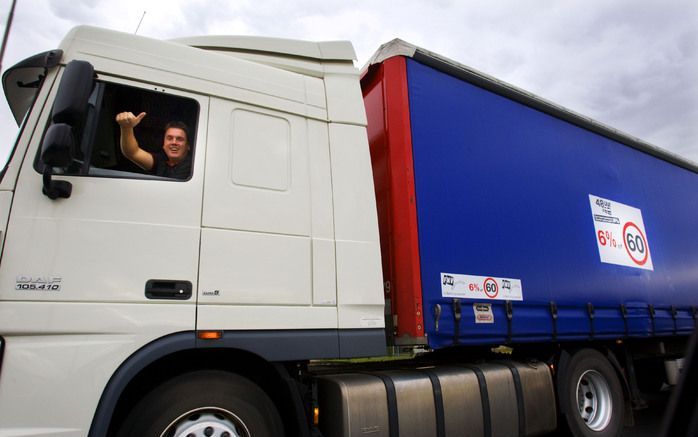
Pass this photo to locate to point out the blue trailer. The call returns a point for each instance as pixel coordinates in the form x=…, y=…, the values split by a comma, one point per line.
x=508, y=220
x=529, y=222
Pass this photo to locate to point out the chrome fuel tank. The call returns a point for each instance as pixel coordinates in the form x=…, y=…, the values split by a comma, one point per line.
x=494, y=399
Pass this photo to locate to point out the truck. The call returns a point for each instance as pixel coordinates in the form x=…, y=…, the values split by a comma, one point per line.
x=413, y=249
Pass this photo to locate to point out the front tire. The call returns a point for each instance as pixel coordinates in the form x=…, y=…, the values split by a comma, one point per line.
x=591, y=396
x=206, y=403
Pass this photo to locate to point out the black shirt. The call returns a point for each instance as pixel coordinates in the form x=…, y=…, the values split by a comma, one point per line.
x=162, y=168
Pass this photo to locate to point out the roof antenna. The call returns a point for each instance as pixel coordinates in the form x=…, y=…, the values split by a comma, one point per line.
x=139, y=24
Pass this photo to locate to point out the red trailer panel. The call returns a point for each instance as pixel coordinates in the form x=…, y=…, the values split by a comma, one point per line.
x=386, y=100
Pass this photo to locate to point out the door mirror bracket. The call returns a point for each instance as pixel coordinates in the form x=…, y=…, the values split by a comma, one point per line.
x=55, y=189
x=56, y=151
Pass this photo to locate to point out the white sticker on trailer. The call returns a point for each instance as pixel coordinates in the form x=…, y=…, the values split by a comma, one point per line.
x=483, y=313
x=620, y=234
x=480, y=287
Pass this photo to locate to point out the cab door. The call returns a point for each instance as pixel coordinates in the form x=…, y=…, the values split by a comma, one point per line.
x=123, y=239
x=87, y=280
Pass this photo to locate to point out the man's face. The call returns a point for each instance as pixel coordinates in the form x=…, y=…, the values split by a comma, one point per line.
x=175, y=144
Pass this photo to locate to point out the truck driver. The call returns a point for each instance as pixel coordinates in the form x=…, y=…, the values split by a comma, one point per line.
x=173, y=162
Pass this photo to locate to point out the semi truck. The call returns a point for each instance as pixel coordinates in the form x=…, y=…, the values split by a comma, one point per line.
x=413, y=249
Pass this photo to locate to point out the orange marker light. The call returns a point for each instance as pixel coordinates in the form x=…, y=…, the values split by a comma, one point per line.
x=316, y=415
x=209, y=335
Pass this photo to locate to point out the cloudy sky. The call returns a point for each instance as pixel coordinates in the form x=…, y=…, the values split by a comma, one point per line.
x=631, y=64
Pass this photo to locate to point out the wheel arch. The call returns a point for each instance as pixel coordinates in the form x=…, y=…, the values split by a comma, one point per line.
x=174, y=354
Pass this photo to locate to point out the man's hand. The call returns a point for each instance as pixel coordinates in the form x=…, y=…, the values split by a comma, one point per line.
x=127, y=119
x=129, y=145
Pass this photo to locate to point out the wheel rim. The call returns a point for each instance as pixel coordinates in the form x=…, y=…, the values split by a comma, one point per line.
x=207, y=422
x=594, y=400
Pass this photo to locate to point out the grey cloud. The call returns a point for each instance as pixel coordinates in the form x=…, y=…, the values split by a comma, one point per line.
x=75, y=10
x=627, y=64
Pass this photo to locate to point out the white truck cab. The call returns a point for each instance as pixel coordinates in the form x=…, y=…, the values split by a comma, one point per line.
x=270, y=246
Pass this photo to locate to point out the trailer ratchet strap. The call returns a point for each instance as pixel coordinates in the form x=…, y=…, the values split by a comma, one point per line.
x=553, y=314
x=509, y=308
x=456, y=320
x=674, y=315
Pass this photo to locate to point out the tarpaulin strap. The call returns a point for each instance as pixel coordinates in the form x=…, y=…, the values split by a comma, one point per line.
x=484, y=399
x=438, y=402
x=674, y=314
x=590, y=312
x=456, y=320
x=553, y=314
x=509, y=308
x=519, y=396
x=650, y=308
x=624, y=312
x=391, y=395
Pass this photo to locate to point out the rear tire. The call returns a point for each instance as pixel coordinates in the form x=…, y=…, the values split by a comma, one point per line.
x=591, y=396
x=206, y=403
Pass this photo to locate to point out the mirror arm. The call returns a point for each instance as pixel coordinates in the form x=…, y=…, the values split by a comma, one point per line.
x=55, y=189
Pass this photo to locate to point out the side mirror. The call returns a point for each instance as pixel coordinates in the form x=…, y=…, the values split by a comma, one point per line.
x=57, y=148
x=73, y=94
x=57, y=151
x=67, y=116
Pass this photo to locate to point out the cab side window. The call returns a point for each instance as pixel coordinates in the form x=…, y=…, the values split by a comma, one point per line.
x=98, y=139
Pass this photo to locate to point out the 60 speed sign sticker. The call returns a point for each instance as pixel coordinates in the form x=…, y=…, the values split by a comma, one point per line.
x=620, y=234
x=480, y=287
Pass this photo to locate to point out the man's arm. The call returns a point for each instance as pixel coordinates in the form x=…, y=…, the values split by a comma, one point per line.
x=129, y=145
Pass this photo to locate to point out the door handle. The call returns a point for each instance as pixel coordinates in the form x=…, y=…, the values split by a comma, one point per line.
x=167, y=289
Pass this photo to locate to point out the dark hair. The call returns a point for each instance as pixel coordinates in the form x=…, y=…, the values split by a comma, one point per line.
x=178, y=125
